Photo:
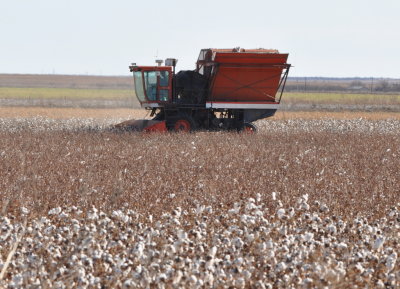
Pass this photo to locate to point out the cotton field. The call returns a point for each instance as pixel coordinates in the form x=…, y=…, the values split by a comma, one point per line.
x=290, y=125
x=305, y=203
x=247, y=246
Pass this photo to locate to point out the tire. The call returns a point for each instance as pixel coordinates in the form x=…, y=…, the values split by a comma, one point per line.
x=184, y=123
x=249, y=128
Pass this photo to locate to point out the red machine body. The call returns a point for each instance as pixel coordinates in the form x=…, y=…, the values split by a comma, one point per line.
x=229, y=89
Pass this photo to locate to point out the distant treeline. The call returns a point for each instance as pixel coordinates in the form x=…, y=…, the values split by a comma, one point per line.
x=355, y=85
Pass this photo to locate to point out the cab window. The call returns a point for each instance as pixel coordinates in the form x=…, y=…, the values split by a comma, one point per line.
x=138, y=78
x=164, y=78
x=150, y=83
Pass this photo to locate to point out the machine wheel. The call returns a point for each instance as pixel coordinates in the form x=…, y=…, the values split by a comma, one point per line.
x=249, y=128
x=184, y=124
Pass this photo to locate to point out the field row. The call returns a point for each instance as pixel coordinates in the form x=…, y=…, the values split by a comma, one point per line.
x=280, y=126
x=128, y=113
x=338, y=161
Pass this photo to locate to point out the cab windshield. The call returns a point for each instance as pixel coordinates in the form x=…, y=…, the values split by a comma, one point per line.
x=138, y=77
x=151, y=85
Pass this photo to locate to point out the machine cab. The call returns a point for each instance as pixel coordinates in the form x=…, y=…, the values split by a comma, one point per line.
x=153, y=84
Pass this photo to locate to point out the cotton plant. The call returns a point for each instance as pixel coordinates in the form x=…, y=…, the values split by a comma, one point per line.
x=298, y=246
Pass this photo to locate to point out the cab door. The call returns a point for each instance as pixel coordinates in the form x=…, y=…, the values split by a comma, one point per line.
x=164, y=85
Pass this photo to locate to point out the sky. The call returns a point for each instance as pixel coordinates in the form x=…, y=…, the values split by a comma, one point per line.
x=336, y=38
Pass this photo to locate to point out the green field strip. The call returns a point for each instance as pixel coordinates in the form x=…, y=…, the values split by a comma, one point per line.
x=341, y=98
x=61, y=93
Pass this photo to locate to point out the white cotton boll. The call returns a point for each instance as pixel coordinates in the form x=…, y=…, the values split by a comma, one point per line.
x=359, y=268
x=128, y=284
x=48, y=230
x=308, y=236
x=341, y=246
x=162, y=277
x=76, y=228
x=209, y=279
x=81, y=272
x=246, y=274
x=304, y=206
x=119, y=215
x=283, y=230
x=392, y=279
x=280, y=213
x=24, y=211
x=270, y=254
x=170, y=249
x=200, y=248
x=240, y=283
x=55, y=211
x=243, y=218
x=332, y=276
x=63, y=215
x=391, y=261
x=316, y=219
x=250, y=238
x=238, y=243
x=59, y=285
x=273, y=196
x=250, y=206
x=280, y=267
x=213, y=251
x=324, y=208
x=392, y=213
x=192, y=279
x=269, y=244
x=177, y=278
x=234, y=211
x=177, y=212
x=238, y=261
x=92, y=215
x=139, y=248
x=378, y=243
x=261, y=247
x=182, y=235
x=18, y=280
x=200, y=209
x=379, y=284
x=199, y=283
x=291, y=212
x=307, y=282
x=332, y=229
x=266, y=285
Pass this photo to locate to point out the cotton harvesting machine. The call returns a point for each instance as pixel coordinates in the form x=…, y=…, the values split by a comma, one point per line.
x=228, y=90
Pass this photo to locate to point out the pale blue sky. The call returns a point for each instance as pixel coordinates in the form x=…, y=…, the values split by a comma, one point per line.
x=342, y=38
